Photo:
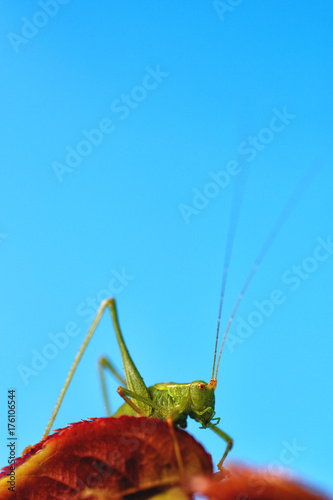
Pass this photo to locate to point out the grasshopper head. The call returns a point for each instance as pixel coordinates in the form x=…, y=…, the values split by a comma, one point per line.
x=202, y=402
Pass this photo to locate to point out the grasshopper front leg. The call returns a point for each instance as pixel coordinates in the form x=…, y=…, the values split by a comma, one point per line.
x=227, y=439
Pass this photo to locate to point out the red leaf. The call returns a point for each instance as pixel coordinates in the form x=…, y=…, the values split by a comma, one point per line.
x=248, y=483
x=112, y=457
x=105, y=458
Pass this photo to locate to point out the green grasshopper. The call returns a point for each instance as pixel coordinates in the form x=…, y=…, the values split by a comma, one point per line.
x=167, y=401
x=175, y=402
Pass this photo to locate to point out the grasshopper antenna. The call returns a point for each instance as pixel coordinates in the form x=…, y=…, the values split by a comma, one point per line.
x=285, y=213
x=233, y=221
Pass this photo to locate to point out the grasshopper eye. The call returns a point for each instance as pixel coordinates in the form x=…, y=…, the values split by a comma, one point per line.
x=201, y=386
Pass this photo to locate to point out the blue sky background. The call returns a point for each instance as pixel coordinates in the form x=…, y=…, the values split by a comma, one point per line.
x=68, y=230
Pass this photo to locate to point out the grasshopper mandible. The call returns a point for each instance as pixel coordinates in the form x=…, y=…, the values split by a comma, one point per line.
x=175, y=402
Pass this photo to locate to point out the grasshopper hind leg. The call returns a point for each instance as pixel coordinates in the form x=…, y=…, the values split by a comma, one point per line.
x=105, y=364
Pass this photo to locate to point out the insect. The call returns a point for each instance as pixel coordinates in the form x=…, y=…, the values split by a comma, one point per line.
x=175, y=402
x=168, y=401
